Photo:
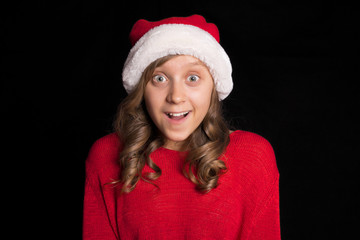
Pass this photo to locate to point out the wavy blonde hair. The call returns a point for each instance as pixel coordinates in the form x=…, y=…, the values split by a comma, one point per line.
x=140, y=137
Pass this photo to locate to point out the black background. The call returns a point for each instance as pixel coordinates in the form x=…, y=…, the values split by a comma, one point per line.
x=295, y=64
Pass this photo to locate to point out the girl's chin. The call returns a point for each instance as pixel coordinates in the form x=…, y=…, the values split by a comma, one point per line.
x=175, y=143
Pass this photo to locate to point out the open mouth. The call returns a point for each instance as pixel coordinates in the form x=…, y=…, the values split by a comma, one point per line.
x=177, y=116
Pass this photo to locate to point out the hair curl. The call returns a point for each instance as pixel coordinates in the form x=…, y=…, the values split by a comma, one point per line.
x=140, y=138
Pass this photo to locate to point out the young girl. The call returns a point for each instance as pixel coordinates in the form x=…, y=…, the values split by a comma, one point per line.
x=172, y=169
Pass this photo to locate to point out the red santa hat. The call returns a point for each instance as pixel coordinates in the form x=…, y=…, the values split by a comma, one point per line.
x=174, y=36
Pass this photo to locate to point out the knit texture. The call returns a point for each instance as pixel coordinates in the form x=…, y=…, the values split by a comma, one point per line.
x=244, y=206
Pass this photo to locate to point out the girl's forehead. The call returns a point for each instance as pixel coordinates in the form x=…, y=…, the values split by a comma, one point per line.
x=182, y=61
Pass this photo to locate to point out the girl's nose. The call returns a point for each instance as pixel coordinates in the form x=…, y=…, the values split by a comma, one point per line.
x=177, y=93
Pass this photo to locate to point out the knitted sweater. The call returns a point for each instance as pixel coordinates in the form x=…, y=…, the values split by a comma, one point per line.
x=245, y=205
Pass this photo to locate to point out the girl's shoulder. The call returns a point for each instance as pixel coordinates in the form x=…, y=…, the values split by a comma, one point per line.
x=249, y=139
x=253, y=149
x=104, y=151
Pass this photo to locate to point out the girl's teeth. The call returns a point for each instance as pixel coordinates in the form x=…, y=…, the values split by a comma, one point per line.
x=177, y=114
x=171, y=115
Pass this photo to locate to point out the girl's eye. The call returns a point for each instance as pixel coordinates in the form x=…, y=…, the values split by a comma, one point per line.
x=159, y=78
x=193, y=78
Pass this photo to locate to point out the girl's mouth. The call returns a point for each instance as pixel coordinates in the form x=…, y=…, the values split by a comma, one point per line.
x=177, y=116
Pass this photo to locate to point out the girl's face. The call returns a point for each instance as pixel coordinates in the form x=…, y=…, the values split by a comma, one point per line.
x=178, y=97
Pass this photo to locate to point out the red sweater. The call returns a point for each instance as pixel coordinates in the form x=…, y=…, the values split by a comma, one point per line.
x=245, y=205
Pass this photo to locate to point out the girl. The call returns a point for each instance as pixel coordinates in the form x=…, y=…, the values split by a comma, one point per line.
x=172, y=169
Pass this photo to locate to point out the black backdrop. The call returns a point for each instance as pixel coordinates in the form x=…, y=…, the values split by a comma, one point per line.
x=294, y=66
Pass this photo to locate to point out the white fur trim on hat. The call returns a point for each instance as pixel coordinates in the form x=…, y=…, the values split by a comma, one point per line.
x=174, y=39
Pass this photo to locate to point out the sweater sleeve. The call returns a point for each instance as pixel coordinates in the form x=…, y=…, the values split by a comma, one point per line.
x=96, y=224
x=264, y=222
x=266, y=225
x=98, y=212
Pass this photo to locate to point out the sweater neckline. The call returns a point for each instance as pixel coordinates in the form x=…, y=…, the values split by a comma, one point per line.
x=184, y=152
x=172, y=151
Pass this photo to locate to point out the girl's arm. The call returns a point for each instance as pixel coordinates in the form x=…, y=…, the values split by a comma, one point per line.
x=98, y=215
x=266, y=224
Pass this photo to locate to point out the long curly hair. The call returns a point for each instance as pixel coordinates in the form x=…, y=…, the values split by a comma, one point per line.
x=140, y=138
